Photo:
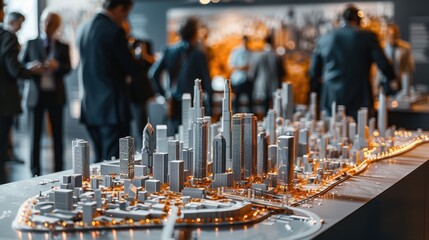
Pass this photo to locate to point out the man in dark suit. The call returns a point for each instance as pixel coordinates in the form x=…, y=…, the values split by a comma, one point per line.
x=10, y=100
x=343, y=59
x=184, y=62
x=55, y=57
x=105, y=63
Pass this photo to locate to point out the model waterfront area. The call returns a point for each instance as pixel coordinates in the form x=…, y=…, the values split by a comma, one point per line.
x=236, y=171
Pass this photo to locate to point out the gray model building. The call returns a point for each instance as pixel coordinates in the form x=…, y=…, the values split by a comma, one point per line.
x=382, y=113
x=64, y=199
x=362, y=120
x=271, y=125
x=277, y=102
x=286, y=159
x=219, y=154
x=287, y=100
x=160, y=166
x=200, y=149
x=226, y=117
x=177, y=176
x=188, y=158
x=249, y=147
x=80, y=157
x=126, y=157
x=152, y=185
x=272, y=157
x=173, y=151
x=186, y=121
x=89, y=209
x=262, y=159
x=161, y=138
x=237, y=146
x=198, y=100
x=147, y=148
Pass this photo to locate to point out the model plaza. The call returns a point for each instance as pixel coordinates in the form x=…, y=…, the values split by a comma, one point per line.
x=235, y=171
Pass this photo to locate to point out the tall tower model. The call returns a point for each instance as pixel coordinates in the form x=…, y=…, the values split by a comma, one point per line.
x=80, y=156
x=219, y=154
x=249, y=146
x=226, y=117
x=237, y=146
x=200, y=148
x=126, y=156
x=147, y=148
x=177, y=175
x=362, y=119
x=286, y=158
x=186, y=120
x=198, y=100
x=160, y=166
x=382, y=113
x=262, y=154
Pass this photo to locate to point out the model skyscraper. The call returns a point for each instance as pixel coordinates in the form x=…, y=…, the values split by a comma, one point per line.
x=286, y=159
x=80, y=156
x=226, y=117
x=161, y=138
x=382, y=113
x=126, y=154
x=249, y=146
x=147, y=148
x=237, y=146
x=177, y=176
x=219, y=154
x=200, y=149
x=160, y=167
x=262, y=159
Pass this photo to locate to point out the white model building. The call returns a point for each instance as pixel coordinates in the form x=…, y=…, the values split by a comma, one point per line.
x=226, y=117
x=126, y=157
x=160, y=166
x=161, y=138
x=177, y=176
x=80, y=157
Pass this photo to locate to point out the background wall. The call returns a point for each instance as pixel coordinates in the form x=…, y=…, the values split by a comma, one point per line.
x=149, y=20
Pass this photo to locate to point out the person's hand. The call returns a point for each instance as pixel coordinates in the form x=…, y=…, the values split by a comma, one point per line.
x=52, y=64
x=37, y=68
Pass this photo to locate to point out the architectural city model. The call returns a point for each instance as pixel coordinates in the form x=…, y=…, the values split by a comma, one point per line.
x=236, y=171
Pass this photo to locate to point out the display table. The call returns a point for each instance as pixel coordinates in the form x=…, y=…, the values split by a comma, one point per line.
x=415, y=117
x=388, y=201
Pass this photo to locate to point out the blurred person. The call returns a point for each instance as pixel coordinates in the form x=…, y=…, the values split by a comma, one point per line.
x=269, y=73
x=341, y=62
x=140, y=90
x=14, y=21
x=51, y=95
x=10, y=100
x=184, y=62
x=106, y=61
x=241, y=82
x=399, y=54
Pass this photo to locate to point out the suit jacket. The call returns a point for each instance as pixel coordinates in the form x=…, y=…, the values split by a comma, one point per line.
x=35, y=51
x=268, y=74
x=403, y=62
x=105, y=63
x=10, y=70
x=184, y=64
x=343, y=58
